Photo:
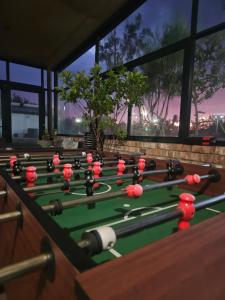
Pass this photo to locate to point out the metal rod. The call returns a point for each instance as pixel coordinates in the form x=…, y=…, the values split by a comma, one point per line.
x=209, y=202
x=61, y=173
x=85, y=200
x=150, y=221
x=159, y=219
x=172, y=182
x=72, y=182
x=97, y=198
x=30, y=163
x=37, y=158
x=45, y=187
x=130, y=175
x=147, y=222
x=24, y=267
x=10, y=216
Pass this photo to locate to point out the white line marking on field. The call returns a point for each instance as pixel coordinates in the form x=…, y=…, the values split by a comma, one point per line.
x=132, y=218
x=214, y=210
x=115, y=253
x=101, y=183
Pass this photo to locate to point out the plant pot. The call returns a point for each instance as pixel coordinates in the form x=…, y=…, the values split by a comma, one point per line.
x=45, y=143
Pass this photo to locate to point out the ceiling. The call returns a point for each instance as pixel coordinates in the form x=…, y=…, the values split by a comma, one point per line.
x=44, y=33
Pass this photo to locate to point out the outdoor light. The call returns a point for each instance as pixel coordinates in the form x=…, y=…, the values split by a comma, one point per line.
x=78, y=120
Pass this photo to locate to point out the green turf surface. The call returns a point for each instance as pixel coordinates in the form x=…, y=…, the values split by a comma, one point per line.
x=114, y=211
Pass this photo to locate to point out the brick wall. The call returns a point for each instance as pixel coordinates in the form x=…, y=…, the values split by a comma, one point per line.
x=186, y=153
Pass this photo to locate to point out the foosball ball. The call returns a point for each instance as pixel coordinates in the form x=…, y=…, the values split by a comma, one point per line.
x=83, y=226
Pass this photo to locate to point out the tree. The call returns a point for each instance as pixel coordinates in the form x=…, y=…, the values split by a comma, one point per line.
x=104, y=98
x=209, y=71
x=164, y=78
x=134, y=41
x=164, y=75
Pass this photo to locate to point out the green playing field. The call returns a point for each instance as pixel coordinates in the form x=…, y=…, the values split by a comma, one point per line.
x=118, y=211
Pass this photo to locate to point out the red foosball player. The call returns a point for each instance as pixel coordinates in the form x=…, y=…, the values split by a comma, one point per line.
x=141, y=167
x=120, y=170
x=96, y=172
x=12, y=160
x=31, y=177
x=89, y=160
x=67, y=174
x=56, y=162
x=186, y=205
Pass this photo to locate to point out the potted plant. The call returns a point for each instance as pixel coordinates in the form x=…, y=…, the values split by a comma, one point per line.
x=106, y=99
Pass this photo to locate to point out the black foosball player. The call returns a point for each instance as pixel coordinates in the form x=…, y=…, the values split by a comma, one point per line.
x=150, y=165
x=77, y=166
x=50, y=168
x=174, y=168
x=17, y=168
x=136, y=175
x=66, y=187
x=102, y=164
x=89, y=186
x=60, y=153
x=97, y=157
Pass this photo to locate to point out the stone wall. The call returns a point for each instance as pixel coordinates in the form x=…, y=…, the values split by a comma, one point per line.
x=187, y=153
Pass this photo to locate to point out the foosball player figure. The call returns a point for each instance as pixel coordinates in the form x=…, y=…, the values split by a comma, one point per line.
x=60, y=153
x=102, y=164
x=31, y=177
x=151, y=165
x=96, y=173
x=17, y=168
x=56, y=162
x=186, y=205
x=96, y=157
x=89, y=185
x=171, y=175
x=120, y=170
x=89, y=159
x=50, y=168
x=12, y=159
x=141, y=167
x=136, y=175
x=77, y=166
x=67, y=174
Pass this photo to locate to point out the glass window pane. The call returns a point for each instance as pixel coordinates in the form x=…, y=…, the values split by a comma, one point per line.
x=159, y=115
x=208, y=92
x=84, y=63
x=2, y=70
x=70, y=118
x=25, y=74
x=119, y=117
x=210, y=13
x=25, y=115
x=153, y=25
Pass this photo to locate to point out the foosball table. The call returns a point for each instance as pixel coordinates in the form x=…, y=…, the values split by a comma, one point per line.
x=83, y=226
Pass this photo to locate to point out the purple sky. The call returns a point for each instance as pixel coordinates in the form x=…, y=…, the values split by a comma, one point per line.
x=214, y=105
